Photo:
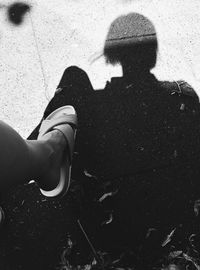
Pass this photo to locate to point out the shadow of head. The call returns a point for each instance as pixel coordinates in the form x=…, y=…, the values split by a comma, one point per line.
x=132, y=41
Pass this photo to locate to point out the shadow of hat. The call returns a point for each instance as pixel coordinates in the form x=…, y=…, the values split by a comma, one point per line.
x=130, y=29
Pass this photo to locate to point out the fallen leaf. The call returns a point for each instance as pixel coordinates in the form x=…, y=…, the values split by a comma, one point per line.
x=110, y=219
x=89, y=175
x=175, y=254
x=168, y=238
x=109, y=194
x=196, y=207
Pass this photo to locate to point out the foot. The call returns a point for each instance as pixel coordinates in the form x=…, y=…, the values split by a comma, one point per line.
x=55, y=144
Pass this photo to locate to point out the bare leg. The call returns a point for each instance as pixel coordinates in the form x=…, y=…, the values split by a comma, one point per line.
x=23, y=160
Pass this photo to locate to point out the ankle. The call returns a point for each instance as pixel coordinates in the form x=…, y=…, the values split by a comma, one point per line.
x=39, y=152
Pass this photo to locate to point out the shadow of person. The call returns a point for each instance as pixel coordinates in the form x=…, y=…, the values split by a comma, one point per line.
x=137, y=145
